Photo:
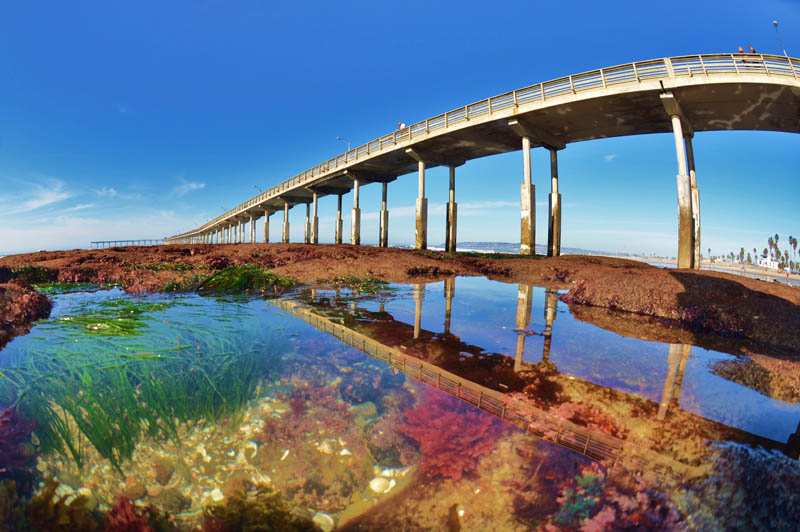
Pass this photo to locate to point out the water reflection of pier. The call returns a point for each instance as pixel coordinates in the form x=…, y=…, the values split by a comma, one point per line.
x=498, y=378
x=590, y=443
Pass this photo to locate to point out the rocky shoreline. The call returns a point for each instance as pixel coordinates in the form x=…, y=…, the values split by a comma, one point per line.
x=764, y=315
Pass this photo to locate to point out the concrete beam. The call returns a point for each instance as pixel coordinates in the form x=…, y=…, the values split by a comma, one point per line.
x=538, y=136
x=673, y=108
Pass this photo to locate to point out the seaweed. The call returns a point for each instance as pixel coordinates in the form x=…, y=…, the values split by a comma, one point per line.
x=452, y=436
x=245, y=279
x=112, y=391
x=364, y=285
x=50, y=512
x=16, y=452
x=125, y=517
x=261, y=510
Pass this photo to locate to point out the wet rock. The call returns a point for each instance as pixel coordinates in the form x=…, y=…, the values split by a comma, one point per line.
x=134, y=489
x=163, y=471
x=173, y=501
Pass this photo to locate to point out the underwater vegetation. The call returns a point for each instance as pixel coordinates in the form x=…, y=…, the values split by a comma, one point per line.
x=263, y=509
x=748, y=489
x=115, y=317
x=110, y=390
x=67, y=288
x=364, y=285
x=452, y=436
x=16, y=452
x=245, y=279
x=125, y=517
x=591, y=502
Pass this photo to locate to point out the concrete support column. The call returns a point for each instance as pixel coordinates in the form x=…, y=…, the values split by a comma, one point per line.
x=383, y=226
x=554, y=223
x=315, y=219
x=285, y=222
x=240, y=232
x=419, y=296
x=523, y=319
x=527, y=200
x=267, y=214
x=307, y=228
x=685, y=217
x=421, y=240
x=449, y=292
x=695, y=202
x=451, y=217
x=355, y=217
x=339, y=225
x=252, y=229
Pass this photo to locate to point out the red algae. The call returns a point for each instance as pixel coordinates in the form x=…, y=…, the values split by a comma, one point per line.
x=452, y=437
x=15, y=453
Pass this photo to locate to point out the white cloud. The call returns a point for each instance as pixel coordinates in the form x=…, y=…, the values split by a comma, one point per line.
x=610, y=157
x=187, y=186
x=79, y=207
x=106, y=192
x=40, y=195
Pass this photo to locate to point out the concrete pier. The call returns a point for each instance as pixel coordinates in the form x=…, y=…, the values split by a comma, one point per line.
x=307, y=225
x=383, y=222
x=421, y=227
x=285, y=222
x=267, y=214
x=688, y=224
x=355, y=216
x=252, y=229
x=451, y=218
x=315, y=218
x=527, y=203
x=697, y=255
x=554, y=225
x=339, y=223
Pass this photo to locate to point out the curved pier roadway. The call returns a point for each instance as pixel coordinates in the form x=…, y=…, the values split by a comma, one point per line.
x=682, y=95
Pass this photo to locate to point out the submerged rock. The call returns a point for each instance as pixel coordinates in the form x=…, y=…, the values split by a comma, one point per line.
x=381, y=484
x=173, y=501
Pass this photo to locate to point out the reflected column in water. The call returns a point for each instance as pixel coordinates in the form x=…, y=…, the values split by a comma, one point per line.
x=676, y=364
x=449, y=291
x=550, y=306
x=522, y=322
x=419, y=295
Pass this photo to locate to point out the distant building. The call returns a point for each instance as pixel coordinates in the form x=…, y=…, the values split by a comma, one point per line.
x=767, y=262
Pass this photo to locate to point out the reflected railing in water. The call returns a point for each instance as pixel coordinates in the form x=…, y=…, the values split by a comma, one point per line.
x=450, y=351
x=593, y=444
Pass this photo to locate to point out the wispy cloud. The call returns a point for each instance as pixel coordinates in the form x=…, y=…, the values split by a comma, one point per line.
x=609, y=157
x=37, y=196
x=79, y=207
x=187, y=186
x=106, y=192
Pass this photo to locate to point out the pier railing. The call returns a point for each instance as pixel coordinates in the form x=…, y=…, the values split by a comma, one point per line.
x=593, y=444
x=670, y=67
x=118, y=243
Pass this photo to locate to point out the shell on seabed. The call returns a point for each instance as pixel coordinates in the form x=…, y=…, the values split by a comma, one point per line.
x=381, y=484
x=324, y=521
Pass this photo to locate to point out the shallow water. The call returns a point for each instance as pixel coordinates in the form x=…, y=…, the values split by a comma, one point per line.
x=188, y=404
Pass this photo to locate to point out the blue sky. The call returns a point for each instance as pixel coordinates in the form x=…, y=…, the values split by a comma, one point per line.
x=139, y=120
